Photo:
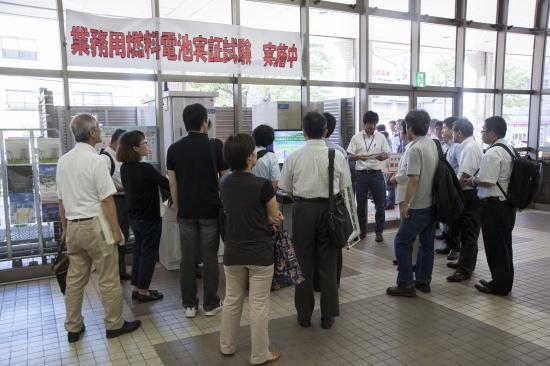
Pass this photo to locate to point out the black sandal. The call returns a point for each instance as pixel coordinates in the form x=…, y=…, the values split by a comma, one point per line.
x=152, y=296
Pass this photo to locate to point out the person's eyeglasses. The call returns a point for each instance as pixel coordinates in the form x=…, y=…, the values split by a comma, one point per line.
x=144, y=142
x=484, y=131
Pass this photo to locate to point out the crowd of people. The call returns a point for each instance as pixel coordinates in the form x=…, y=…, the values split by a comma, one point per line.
x=229, y=189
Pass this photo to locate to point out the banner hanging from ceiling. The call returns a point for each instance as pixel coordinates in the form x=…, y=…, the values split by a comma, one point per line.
x=180, y=45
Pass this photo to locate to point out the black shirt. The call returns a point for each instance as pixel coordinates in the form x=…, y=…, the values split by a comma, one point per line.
x=141, y=183
x=247, y=235
x=191, y=159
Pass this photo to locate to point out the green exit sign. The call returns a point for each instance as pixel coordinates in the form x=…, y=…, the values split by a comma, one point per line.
x=420, y=79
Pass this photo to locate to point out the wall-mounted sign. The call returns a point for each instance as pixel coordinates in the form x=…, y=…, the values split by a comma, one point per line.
x=182, y=45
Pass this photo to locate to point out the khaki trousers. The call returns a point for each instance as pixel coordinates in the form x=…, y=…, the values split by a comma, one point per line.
x=85, y=244
x=236, y=278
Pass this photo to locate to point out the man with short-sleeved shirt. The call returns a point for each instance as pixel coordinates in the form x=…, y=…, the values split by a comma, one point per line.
x=369, y=148
x=305, y=178
x=417, y=218
x=497, y=214
x=267, y=165
x=468, y=224
x=109, y=153
x=194, y=164
x=85, y=190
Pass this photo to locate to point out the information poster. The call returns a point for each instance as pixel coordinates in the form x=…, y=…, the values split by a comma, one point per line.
x=20, y=179
x=392, y=164
x=22, y=208
x=150, y=132
x=17, y=151
x=48, y=149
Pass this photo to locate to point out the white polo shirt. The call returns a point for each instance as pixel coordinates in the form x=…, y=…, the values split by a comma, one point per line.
x=469, y=159
x=305, y=171
x=83, y=181
x=496, y=166
x=363, y=144
x=116, y=175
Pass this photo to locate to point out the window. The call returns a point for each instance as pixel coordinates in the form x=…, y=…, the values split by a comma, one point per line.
x=515, y=110
x=274, y=105
x=437, y=54
x=390, y=51
x=397, y=5
x=18, y=48
x=437, y=107
x=125, y=8
x=389, y=107
x=479, y=58
x=333, y=45
x=30, y=102
x=484, y=11
x=212, y=11
x=544, y=140
x=521, y=13
x=438, y=8
x=477, y=107
x=29, y=36
x=341, y=103
x=518, y=62
x=546, y=70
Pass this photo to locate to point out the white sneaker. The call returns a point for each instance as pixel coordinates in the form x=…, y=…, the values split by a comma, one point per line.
x=190, y=312
x=214, y=311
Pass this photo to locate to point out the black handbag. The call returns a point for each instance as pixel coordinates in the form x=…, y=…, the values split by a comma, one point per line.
x=338, y=220
x=60, y=267
x=221, y=212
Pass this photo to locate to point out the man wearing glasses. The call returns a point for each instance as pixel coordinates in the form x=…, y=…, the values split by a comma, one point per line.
x=85, y=190
x=497, y=215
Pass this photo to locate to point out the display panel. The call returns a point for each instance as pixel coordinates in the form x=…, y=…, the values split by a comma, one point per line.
x=286, y=142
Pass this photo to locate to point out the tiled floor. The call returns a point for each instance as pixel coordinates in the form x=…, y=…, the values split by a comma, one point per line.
x=453, y=325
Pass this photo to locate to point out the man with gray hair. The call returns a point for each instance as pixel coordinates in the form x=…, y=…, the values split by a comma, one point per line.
x=85, y=190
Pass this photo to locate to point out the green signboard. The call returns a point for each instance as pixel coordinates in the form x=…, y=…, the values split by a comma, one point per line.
x=420, y=79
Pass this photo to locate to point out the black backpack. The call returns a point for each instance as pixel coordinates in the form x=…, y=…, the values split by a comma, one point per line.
x=448, y=199
x=525, y=180
x=103, y=152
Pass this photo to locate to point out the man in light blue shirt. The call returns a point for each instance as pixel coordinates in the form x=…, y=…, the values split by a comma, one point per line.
x=267, y=165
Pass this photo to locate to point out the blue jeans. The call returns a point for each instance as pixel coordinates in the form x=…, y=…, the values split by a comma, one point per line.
x=199, y=238
x=146, y=250
x=421, y=223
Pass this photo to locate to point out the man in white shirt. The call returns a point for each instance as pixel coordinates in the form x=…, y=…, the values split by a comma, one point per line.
x=369, y=148
x=85, y=190
x=267, y=164
x=417, y=216
x=468, y=224
x=305, y=178
x=497, y=214
x=109, y=154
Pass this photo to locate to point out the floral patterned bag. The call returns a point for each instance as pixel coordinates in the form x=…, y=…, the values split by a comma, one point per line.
x=286, y=269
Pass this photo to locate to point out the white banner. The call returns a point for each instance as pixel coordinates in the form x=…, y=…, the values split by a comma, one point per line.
x=183, y=45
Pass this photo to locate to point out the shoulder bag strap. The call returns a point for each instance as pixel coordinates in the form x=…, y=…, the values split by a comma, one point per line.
x=104, y=152
x=514, y=157
x=331, y=180
x=439, y=149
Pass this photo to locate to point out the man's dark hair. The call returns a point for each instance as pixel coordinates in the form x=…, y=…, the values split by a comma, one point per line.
x=449, y=121
x=263, y=135
x=497, y=125
x=438, y=124
x=403, y=125
x=314, y=124
x=370, y=117
x=126, y=144
x=381, y=128
x=418, y=121
x=464, y=126
x=118, y=132
x=331, y=123
x=237, y=149
x=194, y=116
x=392, y=122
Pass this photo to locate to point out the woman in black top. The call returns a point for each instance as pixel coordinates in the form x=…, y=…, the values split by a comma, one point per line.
x=250, y=207
x=141, y=182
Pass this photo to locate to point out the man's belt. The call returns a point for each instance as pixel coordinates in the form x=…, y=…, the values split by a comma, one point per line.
x=315, y=199
x=80, y=220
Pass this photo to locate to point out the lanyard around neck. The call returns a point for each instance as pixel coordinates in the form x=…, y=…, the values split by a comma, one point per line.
x=365, y=141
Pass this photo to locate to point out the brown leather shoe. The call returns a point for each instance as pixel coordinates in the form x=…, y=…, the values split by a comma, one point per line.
x=274, y=357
